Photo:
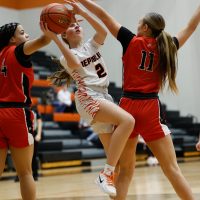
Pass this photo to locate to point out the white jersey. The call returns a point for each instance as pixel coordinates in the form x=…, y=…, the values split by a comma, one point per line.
x=92, y=82
x=93, y=71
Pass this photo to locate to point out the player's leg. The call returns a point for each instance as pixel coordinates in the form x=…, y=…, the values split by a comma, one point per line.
x=127, y=166
x=3, y=154
x=22, y=158
x=110, y=113
x=3, y=146
x=125, y=169
x=164, y=151
x=105, y=140
x=124, y=122
x=35, y=166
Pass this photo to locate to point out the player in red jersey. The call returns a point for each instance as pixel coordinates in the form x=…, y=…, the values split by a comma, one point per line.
x=16, y=118
x=149, y=61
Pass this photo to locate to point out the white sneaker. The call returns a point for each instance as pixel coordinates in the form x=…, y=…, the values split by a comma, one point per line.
x=152, y=161
x=155, y=161
x=106, y=184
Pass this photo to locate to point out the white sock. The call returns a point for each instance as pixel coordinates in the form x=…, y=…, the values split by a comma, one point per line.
x=108, y=169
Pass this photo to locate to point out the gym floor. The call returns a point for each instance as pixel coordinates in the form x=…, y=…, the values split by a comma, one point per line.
x=77, y=183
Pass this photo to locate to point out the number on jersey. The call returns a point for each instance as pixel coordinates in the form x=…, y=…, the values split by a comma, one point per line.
x=100, y=71
x=143, y=61
x=4, y=71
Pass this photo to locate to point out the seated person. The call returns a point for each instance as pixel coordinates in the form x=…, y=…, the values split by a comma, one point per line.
x=64, y=101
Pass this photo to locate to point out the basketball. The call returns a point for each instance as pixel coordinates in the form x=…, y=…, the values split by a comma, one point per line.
x=57, y=17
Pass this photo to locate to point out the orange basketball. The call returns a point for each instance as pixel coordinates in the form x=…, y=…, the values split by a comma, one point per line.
x=57, y=17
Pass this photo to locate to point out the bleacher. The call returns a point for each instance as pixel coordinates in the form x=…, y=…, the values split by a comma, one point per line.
x=185, y=132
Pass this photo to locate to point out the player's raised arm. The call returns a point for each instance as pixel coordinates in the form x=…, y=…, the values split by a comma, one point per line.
x=112, y=25
x=184, y=34
x=101, y=32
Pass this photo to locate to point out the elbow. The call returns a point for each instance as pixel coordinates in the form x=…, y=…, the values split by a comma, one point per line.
x=104, y=33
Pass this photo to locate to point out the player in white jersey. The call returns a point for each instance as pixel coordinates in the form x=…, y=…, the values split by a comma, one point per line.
x=92, y=82
x=93, y=102
x=94, y=70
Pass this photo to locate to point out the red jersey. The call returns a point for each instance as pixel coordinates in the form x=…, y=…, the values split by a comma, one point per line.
x=140, y=62
x=141, y=84
x=16, y=77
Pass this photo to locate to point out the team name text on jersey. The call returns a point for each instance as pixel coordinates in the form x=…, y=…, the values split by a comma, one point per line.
x=93, y=58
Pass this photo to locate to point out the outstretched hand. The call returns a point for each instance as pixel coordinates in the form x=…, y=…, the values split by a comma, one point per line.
x=76, y=9
x=51, y=35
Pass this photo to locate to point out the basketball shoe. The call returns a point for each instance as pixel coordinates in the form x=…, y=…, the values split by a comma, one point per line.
x=106, y=183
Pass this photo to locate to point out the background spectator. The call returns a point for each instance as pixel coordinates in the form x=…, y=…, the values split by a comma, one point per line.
x=64, y=101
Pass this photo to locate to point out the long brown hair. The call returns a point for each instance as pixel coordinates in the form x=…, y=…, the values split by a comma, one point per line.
x=60, y=76
x=166, y=48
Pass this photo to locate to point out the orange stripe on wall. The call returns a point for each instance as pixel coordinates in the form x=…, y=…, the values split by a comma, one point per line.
x=24, y=4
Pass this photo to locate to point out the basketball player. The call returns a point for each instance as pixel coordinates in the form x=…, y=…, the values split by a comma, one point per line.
x=16, y=78
x=149, y=60
x=93, y=102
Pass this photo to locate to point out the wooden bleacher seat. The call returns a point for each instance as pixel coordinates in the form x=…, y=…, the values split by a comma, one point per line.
x=35, y=101
x=66, y=117
x=45, y=109
x=41, y=83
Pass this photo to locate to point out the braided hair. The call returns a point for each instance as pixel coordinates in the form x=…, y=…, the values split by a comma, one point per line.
x=7, y=31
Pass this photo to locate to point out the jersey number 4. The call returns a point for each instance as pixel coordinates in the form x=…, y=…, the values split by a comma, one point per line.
x=4, y=70
x=100, y=71
x=143, y=61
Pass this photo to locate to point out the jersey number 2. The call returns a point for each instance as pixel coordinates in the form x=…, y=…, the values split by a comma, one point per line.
x=143, y=61
x=100, y=71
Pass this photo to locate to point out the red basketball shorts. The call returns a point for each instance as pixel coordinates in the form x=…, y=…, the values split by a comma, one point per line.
x=147, y=118
x=16, y=127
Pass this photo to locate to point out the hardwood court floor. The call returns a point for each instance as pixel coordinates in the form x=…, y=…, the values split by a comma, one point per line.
x=149, y=184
